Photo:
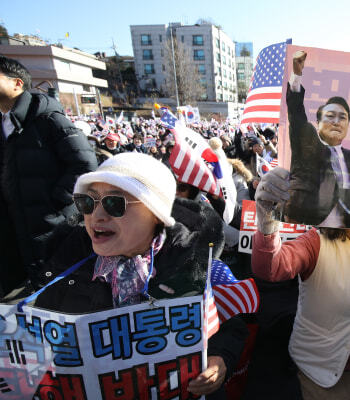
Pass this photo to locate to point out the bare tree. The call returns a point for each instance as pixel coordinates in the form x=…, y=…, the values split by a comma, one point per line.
x=3, y=31
x=208, y=21
x=190, y=88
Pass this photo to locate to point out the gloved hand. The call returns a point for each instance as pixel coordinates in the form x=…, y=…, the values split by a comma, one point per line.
x=272, y=189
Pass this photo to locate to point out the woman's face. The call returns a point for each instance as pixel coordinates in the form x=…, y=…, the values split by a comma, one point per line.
x=128, y=235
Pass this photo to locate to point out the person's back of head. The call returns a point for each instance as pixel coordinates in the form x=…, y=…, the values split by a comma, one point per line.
x=14, y=69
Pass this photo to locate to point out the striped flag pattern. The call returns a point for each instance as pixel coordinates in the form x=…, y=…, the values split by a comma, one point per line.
x=213, y=322
x=264, y=96
x=229, y=296
x=274, y=162
x=188, y=154
x=232, y=296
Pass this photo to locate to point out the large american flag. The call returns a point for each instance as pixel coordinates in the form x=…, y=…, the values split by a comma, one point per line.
x=188, y=154
x=229, y=296
x=264, y=96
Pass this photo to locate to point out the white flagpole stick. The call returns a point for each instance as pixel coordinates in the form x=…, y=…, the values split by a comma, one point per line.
x=206, y=312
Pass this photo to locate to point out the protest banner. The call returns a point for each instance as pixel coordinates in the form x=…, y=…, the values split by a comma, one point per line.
x=137, y=352
x=150, y=141
x=249, y=227
x=320, y=185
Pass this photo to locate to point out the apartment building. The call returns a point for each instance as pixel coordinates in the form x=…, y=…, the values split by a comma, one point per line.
x=244, y=63
x=210, y=49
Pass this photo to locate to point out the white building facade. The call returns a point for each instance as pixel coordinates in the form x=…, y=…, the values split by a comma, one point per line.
x=210, y=49
x=68, y=70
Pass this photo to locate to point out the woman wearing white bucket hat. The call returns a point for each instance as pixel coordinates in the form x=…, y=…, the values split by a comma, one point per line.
x=139, y=231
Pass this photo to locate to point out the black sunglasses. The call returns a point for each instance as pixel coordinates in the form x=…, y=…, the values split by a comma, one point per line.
x=115, y=206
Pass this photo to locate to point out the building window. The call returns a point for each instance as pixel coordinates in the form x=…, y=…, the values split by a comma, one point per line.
x=149, y=69
x=228, y=51
x=203, y=82
x=225, y=85
x=163, y=67
x=150, y=84
x=230, y=76
x=86, y=88
x=223, y=46
x=88, y=99
x=162, y=53
x=217, y=41
x=224, y=73
x=220, y=97
x=229, y=62
x=197, y=40
x=198, y=55
x=201, y=69
x=146, y=40
x=160, y=38
x=182, y=38
x=240, y=65
x=224, y=60
x=240, y=76
x=147, y=54
x=219, y=70
x=218, y=58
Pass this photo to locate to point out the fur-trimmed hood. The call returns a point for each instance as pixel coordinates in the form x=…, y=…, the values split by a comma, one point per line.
x=240, y=168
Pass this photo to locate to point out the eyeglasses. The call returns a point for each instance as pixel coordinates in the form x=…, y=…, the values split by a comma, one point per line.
x=115, y=206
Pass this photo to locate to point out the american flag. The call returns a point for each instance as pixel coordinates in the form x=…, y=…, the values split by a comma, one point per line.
x=264, y=95
x=188, y=155
x=274, y=162
x=229, y=296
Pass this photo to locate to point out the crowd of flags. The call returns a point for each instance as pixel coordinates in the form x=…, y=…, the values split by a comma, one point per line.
x=194, y=162
x=189, y=156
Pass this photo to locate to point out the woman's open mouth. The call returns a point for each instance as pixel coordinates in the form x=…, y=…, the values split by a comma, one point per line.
x=101, y=235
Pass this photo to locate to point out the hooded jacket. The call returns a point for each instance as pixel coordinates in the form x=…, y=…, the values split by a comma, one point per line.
x=40, y=162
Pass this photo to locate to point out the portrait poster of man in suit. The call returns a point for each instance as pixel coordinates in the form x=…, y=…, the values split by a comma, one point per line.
x=315, y=127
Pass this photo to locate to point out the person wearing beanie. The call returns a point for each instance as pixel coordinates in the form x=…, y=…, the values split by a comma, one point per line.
x=131, y=221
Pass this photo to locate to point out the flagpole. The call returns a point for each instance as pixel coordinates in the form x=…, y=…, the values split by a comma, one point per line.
x=173, y=56
x=206, y=309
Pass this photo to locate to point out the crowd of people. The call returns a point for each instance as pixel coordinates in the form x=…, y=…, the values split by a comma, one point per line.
x=73, y=186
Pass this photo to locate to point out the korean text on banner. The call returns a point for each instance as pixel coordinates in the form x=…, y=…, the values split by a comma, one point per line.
x=249, y=227
x=138, y=351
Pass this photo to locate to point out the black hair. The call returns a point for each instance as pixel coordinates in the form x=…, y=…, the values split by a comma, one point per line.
x=334, y=100
x=14, y=69
x=192, y=190
x=138, y=137
x=334, y=234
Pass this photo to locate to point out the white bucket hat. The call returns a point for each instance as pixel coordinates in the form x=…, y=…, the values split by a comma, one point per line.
x=141, y=175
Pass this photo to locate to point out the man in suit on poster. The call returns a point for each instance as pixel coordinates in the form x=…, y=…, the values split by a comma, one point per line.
x=319, y=175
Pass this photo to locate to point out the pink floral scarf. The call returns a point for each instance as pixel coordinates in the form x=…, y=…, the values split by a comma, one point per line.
x=127, y=276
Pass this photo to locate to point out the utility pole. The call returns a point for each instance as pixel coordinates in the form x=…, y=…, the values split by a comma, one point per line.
x=175, y=79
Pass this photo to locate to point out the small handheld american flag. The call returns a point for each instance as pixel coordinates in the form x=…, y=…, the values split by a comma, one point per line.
x=228, y=296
